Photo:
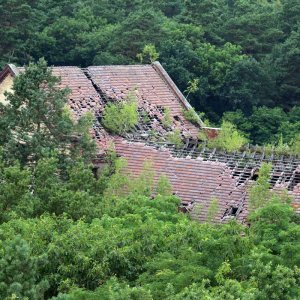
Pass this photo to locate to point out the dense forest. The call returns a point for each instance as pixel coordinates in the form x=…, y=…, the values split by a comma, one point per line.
x=237, y=59
x=67, y=233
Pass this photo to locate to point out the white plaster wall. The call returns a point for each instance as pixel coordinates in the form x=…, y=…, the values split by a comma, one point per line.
x=5, y=85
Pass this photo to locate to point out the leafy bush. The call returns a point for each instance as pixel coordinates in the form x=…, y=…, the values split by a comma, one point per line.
x=191, y=116
x=175, y=138
x=260, y=193
x=167, y=119
x=228, y=139
x=295, y=145
x=121, y=117
x=164, y=186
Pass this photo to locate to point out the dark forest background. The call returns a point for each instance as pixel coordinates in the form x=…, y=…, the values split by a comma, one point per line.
x=243, y=57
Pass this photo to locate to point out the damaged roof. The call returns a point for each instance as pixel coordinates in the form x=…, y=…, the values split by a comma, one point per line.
x=198, y=175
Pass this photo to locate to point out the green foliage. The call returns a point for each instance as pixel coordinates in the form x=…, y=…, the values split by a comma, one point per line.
x=121, y=117
x=202, y=136
x=268, y=125
x=19, y=275
x=260, y=192
x=193, y=87
x=228, y=138
x=36, y=122
x=212, y=210
x=167, y=119
x=48, y=188
x=143, y=184
x=118, y=183
x=164, y=186
x=175, y=138
x=111, y=238
x=149, y=54
x=159, y=254
x=113, y=289
x=233, y=54
x=295, y=145
x=191, y=116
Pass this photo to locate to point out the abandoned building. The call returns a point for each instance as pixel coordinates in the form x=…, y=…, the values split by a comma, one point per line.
x=198, y=175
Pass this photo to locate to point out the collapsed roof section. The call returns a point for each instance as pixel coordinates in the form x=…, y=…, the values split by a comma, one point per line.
x=157, y=97
x=199, y=176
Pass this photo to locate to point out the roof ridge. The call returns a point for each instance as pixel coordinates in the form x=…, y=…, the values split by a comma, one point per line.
x=8, y=69
x=164, y=75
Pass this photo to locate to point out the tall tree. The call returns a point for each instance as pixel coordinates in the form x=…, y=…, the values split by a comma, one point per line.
x=36, y=120
x=19, y=276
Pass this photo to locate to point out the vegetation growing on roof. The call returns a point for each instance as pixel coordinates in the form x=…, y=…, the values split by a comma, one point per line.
x=213, y=210
x=210, y=49
x=228, y=138
x=191, y=115
x=167, y=118
x=66, y=235
x=121, y=117
x=175, y=139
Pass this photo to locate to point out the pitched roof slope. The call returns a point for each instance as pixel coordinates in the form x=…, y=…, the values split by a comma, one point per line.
x=206, y=176
x=154, y=91
x=158, y=97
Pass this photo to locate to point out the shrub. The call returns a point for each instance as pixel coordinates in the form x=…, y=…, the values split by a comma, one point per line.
x=260, y=193
x=191, y=116
x=167, y=120
x=228, y=139
x=121, y=117
x=175, y=138
x=295, y=146
x=164, y=186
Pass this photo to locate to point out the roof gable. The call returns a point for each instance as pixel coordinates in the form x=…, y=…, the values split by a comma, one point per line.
x=9, y=69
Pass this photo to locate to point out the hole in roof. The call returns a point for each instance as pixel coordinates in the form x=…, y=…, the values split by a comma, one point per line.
x=294, y=181
x=95, y=172
x=254, y=177
x=231, y=212
x=176, y=118
x=234, y=210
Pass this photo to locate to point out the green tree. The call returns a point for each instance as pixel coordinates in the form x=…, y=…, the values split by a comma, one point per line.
x=285, y=58
x=164, y=186
x=19, y=276
x=36, y=120
x=17, y=25
x=265, y=124
x=149, y=53
x=260, y=192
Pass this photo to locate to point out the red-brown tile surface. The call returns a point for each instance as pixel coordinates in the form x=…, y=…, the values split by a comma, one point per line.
x=151, y=89
x=195, y=180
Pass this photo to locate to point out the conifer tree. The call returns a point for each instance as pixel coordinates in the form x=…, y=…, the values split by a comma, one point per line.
x=36, y=121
